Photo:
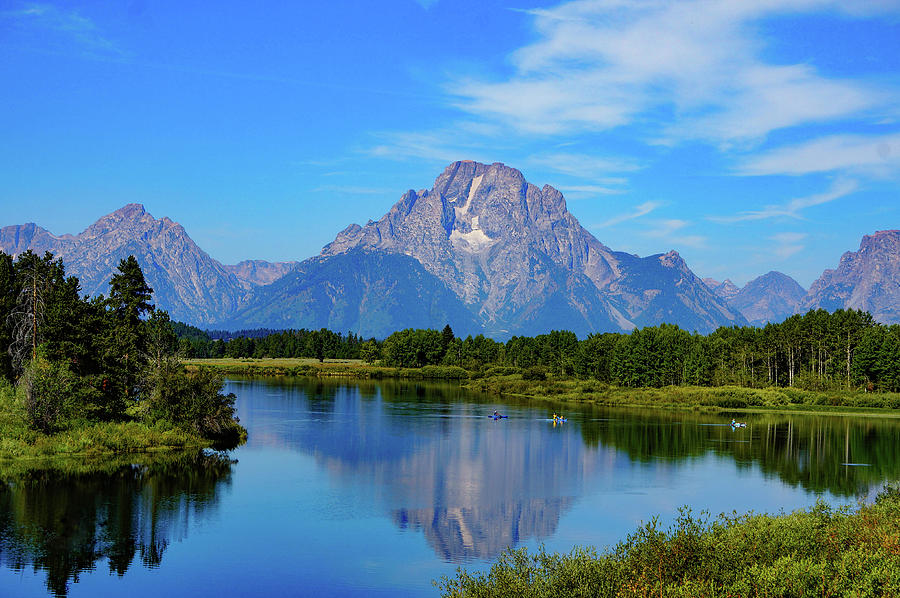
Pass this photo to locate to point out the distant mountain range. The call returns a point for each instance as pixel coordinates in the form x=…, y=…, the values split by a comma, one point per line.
x=485, y=251
x=186, y=281
x=770, y=298
x=482, y=250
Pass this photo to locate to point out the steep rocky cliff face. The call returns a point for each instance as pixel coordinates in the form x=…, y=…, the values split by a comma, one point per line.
x=483, y=250
x=518, y=259
x=868, y=279
x=254, y=273
x=725, y=289
x=20, y=238
x=772, y=297
x=186, y=281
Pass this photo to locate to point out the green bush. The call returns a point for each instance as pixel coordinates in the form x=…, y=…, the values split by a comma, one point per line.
x=48, y=393
x=534, y=373
x=194, y=400
x=819, y=552
x=501, y=370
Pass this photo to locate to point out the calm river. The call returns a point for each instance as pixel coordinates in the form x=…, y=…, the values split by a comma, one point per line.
x=379, y=488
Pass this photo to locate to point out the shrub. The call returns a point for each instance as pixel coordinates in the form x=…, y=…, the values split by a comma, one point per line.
x=195, y=401
x=501, y=370
x=48, y=391
x=535, y=373
x=819, y=552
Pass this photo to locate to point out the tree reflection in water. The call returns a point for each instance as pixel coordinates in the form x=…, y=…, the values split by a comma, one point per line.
x=473, y=487
x=819, y=453
x=65, y=523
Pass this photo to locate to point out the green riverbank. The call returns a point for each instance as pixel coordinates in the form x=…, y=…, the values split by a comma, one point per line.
x=816, y=552
x=329, y=368
x=506, y=382
x=22, y=446
x=723, y=398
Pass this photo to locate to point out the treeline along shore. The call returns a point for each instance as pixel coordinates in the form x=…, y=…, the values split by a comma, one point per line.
x=83, y=375
x=819, y=359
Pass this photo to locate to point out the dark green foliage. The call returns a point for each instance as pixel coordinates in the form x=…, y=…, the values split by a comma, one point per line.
x=195, y=400
x=535, y=372
x=820, y=552
x=370, y=352
x=49, y=393
x=818, y=351
x=319, y=344
x=447, y=337
x=77, y=360
x=412, y=348
x=125, y=340
x=8, y=297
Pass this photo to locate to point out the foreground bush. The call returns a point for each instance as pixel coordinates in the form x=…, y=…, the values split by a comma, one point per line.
x=820, y=552
x=196, y=401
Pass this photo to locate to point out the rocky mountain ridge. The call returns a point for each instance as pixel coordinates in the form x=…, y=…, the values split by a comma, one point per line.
x=772, y=297
x=483, y=250
x=186, y=281
x=254, y=273
x=725, y=289
x=867, y=279
x=509, y=249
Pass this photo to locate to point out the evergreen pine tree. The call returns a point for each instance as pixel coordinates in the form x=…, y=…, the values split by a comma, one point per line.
x=125, y=344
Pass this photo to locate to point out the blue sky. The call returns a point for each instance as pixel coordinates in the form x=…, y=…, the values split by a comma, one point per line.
x=749, y=135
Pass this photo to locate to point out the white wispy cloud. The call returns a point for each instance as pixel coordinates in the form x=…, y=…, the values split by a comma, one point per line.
x=585, y=166
x=435, y=146
x=68, y=24
x=876, y=155
x=638, y=212
x=669, y=230
x=788, y=237
x=694, y=69
x=794, y=207
x=785, y=245
x=588, y=191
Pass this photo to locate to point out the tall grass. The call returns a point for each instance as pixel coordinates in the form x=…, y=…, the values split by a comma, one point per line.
x=816, y=552
x=345, y=368
x=721, y=397
x=18, y=440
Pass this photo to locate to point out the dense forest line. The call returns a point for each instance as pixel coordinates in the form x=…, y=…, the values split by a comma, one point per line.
x=818, y=350
x=68, y=361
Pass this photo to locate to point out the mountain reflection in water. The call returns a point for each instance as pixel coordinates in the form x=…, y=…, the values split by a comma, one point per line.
x=461, y=534
x=66, y=523
x=348, y=488
x=472, y=486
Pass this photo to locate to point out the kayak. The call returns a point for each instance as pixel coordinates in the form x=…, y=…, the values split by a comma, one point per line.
x=739, y=425
x=497, y=416
x=560, y=420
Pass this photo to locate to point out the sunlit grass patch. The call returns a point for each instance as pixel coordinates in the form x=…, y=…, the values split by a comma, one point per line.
x=817, y=552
